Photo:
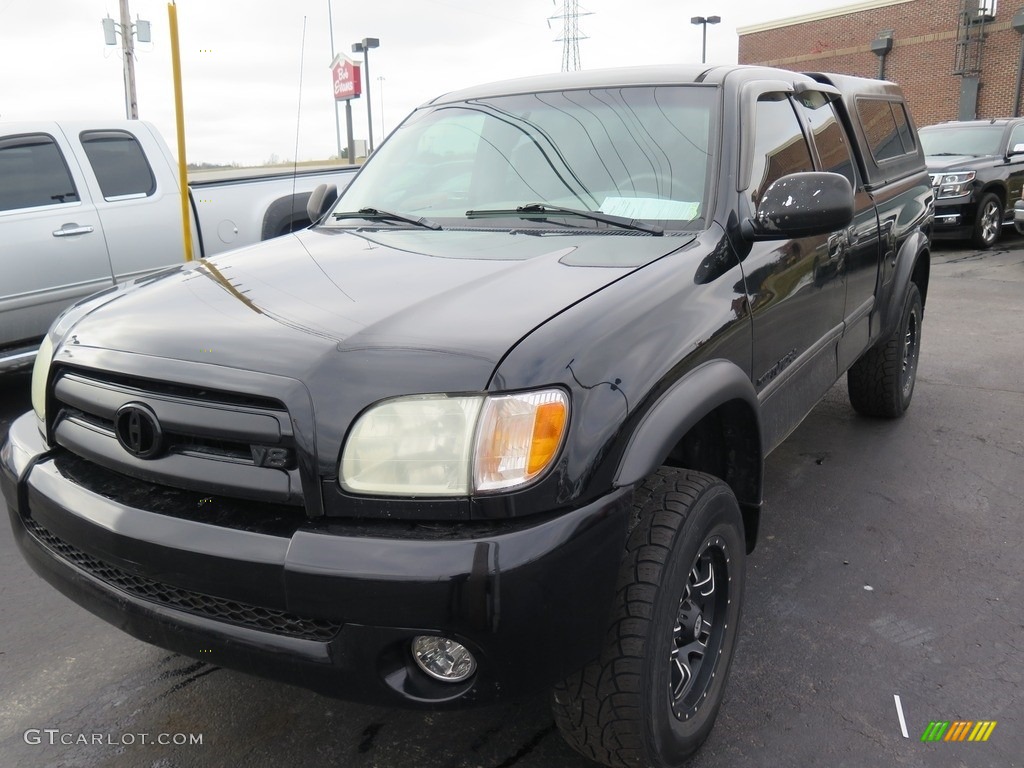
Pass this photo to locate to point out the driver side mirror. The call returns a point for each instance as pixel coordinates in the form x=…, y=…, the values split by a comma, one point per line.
x=801, y=205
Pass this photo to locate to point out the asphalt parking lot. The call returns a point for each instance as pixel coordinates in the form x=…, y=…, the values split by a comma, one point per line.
x=890, y=564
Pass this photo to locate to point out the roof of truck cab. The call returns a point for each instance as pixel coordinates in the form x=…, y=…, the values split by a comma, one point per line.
x=972, y=123
x=849, y=85
x=681, y=74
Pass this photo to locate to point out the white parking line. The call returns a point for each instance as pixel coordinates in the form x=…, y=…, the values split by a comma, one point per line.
x=899, y=711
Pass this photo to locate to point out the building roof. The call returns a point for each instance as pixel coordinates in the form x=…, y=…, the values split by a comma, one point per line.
x=865, y=5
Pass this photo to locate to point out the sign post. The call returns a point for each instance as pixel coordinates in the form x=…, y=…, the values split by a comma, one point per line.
x=348, y=85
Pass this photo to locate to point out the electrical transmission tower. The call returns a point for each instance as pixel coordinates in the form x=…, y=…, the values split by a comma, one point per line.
x=571, y=36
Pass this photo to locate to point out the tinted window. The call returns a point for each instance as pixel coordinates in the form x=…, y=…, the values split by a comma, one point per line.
x=899, y=112
x=880, y=129
x=33, y=173
x=829, y=136
x=779, y=145
x=119, y=164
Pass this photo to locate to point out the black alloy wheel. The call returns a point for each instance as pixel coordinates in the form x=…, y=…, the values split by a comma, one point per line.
x=652, y=697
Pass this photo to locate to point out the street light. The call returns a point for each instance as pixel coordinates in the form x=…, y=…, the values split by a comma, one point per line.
x=364, y=48
x=704, y=21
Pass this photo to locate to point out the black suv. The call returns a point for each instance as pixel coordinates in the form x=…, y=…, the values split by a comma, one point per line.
x=977, y=171
x=497, y=423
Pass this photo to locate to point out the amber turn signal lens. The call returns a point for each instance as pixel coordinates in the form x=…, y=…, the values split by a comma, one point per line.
x=518, y=438
x=548, y=426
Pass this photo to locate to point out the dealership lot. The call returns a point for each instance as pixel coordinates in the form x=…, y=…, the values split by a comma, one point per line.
x=889, y=564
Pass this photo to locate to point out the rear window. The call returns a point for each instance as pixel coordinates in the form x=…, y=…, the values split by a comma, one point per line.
x=33, y=173
x=119, y=164
x=886, y=128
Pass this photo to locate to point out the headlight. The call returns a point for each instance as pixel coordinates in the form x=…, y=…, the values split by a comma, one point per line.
x=413, y=446
x=952, y=184
x=433, y=445
x=40, y=372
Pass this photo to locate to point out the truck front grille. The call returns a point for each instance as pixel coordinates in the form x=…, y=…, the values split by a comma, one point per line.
x=208, y=441
x=197, y=603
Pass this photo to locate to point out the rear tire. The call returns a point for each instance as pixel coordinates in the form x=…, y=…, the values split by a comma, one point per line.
x=881, y=382
x=652, y=697
x=988, y=221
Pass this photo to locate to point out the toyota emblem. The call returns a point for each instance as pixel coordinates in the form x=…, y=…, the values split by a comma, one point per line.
x=138, y=430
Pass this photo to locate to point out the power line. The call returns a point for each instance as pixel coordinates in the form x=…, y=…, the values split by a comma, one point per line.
x=571, y=36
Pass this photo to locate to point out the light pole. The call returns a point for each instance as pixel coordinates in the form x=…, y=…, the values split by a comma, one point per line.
x=364, y=48
x=337, y=121
x=128, y=32
x=704, y=21
x=380, y=94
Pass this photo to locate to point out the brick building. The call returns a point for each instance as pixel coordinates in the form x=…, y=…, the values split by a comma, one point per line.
x=953, y=58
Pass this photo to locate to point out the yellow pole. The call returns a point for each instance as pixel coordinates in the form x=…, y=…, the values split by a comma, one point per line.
x=179, y=113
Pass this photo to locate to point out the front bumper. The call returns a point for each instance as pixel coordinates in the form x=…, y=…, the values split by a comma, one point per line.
x=328, y=605
x=954, y=218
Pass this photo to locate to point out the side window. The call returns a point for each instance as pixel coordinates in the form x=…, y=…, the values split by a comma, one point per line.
x=899, y=111
x=829, y=137
x=119, y=164
x=33, y=173
x=880, y=128
x=779, y=144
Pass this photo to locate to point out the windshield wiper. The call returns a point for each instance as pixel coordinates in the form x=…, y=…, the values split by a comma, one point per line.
x=607, y=218
x=378, y=213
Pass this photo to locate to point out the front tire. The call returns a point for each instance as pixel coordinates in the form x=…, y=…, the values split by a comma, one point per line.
x=988, y=221
x=652, y=697
x=881, y=382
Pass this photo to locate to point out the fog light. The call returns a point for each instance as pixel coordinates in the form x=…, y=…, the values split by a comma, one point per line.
x=443, y=659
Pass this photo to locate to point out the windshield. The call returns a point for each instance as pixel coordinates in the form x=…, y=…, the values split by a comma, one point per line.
x=962, y=140
x=637, y=152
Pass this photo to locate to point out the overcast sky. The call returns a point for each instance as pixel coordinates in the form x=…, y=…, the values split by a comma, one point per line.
x=241, y=61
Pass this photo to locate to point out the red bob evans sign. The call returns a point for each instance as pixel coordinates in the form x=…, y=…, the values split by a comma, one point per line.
x=348, y=81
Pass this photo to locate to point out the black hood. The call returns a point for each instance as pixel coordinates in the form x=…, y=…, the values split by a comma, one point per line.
x=290, y=305
x=947, y=163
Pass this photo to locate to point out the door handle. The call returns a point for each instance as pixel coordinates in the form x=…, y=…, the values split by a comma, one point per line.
x=72, y=229
x=837, y=246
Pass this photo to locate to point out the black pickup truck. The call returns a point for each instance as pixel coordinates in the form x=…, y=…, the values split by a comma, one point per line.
x=977, y=171
x=497, y=423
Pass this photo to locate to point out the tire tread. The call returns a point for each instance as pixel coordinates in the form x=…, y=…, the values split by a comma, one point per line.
x=873, y=382
x=596, y=709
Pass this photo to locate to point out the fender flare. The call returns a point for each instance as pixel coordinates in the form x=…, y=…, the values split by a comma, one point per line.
x=707, y=387
x=914, y=248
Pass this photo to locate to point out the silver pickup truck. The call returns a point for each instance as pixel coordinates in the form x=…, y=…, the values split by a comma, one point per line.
x=86, y=205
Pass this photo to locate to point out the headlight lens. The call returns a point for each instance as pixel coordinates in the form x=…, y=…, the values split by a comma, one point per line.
x=40, y=372
x=412, y=446
x=433, y=445
x=952, y=184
